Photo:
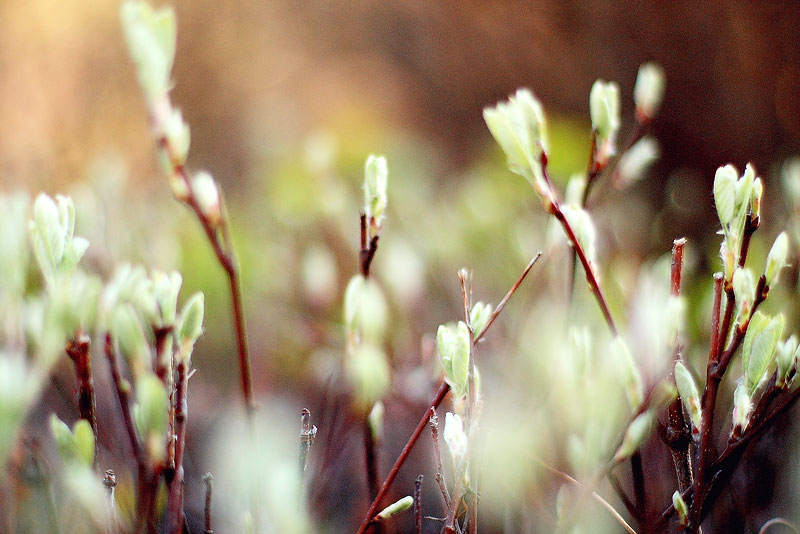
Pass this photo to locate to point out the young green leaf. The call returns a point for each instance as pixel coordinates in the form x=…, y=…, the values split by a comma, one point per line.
x=604, y=110
x=690, y=397
x=776, y=259
x=519, y=127
x=395, y=508
x=375, y=180
x=479, y=316
x=635, y=436
x=725, y=193
x=369, y=374
x=680, y=508
x=742, y=406
x=785, y=359
x=454, y=347
x=759, y=347
x=84, y=441
x=151, y=37
x=744, y=288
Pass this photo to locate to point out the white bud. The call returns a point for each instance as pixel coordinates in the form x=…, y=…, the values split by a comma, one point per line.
x=725, y=193
x=454, y=348
x=375, y=419
x=604, y=108
x=785, y=359
x=375, y=180
x=742, y=406
x=758, y=192
x=635, y=436
x=455, y=437
x=649, y=90
x=151, y=38
x=690, y=397
x=776, y=259
x=206, y=193
x=176, y=132
x=636, y=160
x=745, y=290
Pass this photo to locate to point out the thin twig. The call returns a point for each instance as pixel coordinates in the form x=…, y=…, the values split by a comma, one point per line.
x=708, y=401
x=110, y=483
x=371, y=461
x=434, y=424
x=418, y=505
x=677, y=432
x=209, y=480
x=176, y=486
x=78, y=352
x=595, y=496
x=222, y=246
x=307, y=434
x=591, y=278
x=502, y=303
x=639, y=489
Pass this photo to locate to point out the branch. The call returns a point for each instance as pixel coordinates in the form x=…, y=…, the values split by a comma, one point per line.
x=176, y=486
x=208, y=479
x=78, y=352
x=677, y=434
x=434, y=424
x=591, y=278
x=418, y=505
x=222, y=246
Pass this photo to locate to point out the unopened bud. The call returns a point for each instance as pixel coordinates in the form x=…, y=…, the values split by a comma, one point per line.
x=725, y=193
x=206, y=193
x=604, y=108
x=395, y=508
x=454, y=349
x=742, y=406
x=776, y=259
x=681, y=509
x=375, y=181
x=648, y=91
x=635, y=436
x=745, y=290
x=479, y=316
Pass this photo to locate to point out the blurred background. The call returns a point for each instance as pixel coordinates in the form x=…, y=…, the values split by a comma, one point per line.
x=286, y=99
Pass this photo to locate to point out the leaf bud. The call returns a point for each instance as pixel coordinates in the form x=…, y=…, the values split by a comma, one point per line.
x=206, y=193
x=648, y=91
x=395, y=508
x=776, y=259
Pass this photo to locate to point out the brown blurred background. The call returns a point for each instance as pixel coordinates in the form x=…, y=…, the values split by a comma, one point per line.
x=252, y=76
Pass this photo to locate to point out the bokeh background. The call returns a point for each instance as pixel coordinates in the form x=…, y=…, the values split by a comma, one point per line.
x=286, y=99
